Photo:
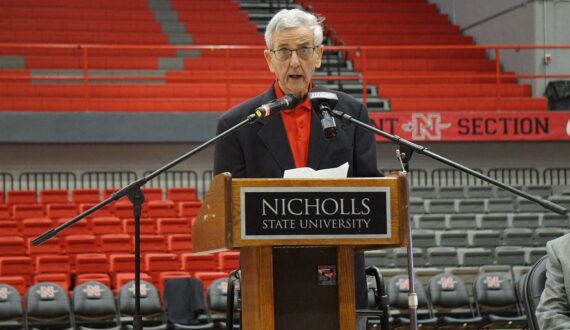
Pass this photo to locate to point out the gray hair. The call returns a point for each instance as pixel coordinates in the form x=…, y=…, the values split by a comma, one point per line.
x=294, y=18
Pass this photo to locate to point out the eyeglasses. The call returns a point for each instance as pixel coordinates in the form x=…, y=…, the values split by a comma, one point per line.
x=284, y=54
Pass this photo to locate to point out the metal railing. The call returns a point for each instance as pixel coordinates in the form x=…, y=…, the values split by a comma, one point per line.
x=441, y=177
x=357, y=54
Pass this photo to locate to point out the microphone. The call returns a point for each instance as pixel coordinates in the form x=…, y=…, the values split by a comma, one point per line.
x=288, y=101
x=324, y=101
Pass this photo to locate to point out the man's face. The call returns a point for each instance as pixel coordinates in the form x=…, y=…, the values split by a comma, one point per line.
x=295, y=72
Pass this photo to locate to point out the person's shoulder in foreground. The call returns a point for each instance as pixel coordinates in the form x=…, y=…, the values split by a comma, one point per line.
x=553, y=311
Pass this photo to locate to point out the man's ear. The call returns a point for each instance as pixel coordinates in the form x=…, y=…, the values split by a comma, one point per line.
x=267, y=56
x=320, y=51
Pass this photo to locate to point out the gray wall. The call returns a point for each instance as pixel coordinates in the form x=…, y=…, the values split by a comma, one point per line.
x=106, y=127
x=541, y=22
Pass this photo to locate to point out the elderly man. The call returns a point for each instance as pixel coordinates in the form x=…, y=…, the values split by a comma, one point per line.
x=294, y=138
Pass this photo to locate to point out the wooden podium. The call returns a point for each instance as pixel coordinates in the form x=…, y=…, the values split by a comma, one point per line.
x=297, y=239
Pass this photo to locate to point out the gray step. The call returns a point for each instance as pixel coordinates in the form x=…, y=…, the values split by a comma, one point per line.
x=180, y=39
x=187, y=53
x=168, y=63
x=158, y=5
x=158, y=76
x=173, y=27
x=165, y=16
x=267, y=7
x=12, y=62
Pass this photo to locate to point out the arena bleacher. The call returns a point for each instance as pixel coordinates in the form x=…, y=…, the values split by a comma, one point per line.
x=403, y=58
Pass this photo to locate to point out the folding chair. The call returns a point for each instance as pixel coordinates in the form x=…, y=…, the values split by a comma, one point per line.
x=450, y=302
x=217, y=299
x=48, y=307
x=398, y=291
x=150, y=306
x=496, y=301
x=11, y=313
x=94, y=306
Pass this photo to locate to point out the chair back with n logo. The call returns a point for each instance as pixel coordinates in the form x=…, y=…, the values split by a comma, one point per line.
x=94, y=303
x=11, y=314
x=47, y=304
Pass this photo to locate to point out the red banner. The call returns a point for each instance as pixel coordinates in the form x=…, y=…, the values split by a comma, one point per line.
x=475, y=126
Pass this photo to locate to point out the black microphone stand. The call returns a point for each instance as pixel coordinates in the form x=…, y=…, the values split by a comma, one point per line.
x=404, y=153
x=135, y=195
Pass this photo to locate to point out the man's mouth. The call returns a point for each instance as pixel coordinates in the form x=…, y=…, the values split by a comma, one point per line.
x=295, y=76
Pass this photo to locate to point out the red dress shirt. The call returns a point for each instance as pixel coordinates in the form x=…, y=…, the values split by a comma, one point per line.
x=297, y=123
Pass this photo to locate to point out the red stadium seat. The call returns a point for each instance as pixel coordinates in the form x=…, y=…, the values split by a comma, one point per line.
x=116, y=243
x=9, y=228
x=51, y=246
x=105, y=225
x=161, y=209
x=123, y=263
x=21, y=197
x=51, y=196
x=17, y=266
x=32, y=227
x=12, y=246
x=76, y=244
x=199, y=262
x=91, y=263
x=228, y=261
x=123, y=209
x=178, y=195
x=103, y=212
x=67, y=210
x=23, y=211
x=147, y=226
x=152, y=194
x=179, y=243
x=5, y=212
x=52, y=264
x=152, y=243
x=86, y=195
x=109, y=191
x=189, y=209
x=168, y=226
x=80, y=227
x=158, y=262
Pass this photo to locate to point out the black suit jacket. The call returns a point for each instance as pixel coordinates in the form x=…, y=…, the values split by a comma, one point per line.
x=262, y=151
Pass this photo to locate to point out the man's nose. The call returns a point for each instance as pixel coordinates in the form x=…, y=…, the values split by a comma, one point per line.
x=295, y=60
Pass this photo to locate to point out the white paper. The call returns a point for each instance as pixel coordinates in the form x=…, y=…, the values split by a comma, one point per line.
x=308, y=173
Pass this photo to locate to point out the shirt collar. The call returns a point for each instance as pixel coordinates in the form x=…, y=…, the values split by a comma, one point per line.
x=304, y=105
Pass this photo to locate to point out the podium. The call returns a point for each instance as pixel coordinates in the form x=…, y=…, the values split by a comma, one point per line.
x=297, y=239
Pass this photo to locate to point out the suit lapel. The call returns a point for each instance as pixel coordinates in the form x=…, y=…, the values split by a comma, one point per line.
x=318, y=144
x=273, y=136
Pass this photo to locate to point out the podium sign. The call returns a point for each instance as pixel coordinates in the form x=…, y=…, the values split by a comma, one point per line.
x=314, y=212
